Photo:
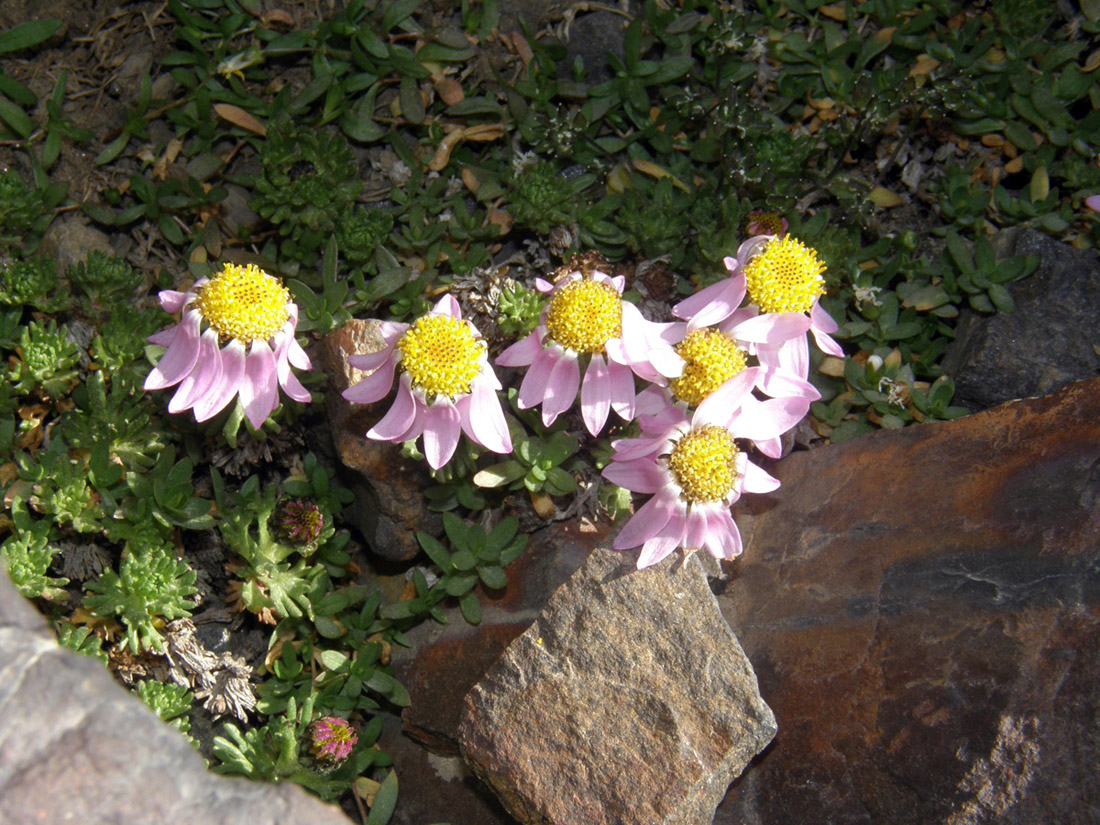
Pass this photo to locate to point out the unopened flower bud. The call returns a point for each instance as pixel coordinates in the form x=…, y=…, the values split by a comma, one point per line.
x=331, y=741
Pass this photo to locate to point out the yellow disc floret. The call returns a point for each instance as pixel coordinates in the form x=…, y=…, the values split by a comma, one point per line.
x=785, y=277
x=585, y=315
x=704, y=464
x=441, y=355
x=245, y=303
x=711, y=358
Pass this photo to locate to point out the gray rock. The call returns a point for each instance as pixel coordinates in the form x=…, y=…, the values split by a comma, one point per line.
x=76, y=747
x=628, y=701
x=69, y=239
x=1049, y=341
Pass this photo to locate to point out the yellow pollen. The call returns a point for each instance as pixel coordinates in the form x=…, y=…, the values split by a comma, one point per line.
x=711, y=358
x=785, y=277
x=585, y=315
x=245, y=303
x=441, y=355
x=704, y=464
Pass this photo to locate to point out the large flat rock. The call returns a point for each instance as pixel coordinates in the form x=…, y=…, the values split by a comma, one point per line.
x=922, y=608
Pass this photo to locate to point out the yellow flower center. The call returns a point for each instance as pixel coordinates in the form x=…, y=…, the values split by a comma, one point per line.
x=441, y=355
x=585, y=315
x=704, y=464
x=785, y=277
x=711, y=358
x=245, y=303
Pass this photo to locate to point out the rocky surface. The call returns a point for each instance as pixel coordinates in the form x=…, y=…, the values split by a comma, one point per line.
x=389, y=490
x=76, y=747
x=1050, y=340
x=922, y=608
x=627, y=701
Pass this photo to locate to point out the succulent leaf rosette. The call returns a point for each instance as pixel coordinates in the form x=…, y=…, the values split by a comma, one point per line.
x=446, y=386
x=235, y=337
x=587, y=318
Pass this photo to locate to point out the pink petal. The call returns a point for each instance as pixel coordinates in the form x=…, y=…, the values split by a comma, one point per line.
x=723, y=537
x=756, y=480
x=718, y=407
x=752, y=247
x=595, y=395
x=447, y=305
x=523, y=352
x=826, y=343
x=546, y=286
x=711, y=304
x=761, y=420
x=648, y=521
x=772, y=328
x=771, y=447
x=226, y=386
x=260, y=387
x=297, y=356
x=370, y=361
x=628, y=449
x=622, y=390
x=659, y=547
x=483, y=419
x=397, y=420
x=179, y=360
x=532, y=390
x=172, y=301
x=822, y=320
x=561, y=388
x=1093, y=202
x=695, y=532
x=208, y=369
x=779, y=383
x=639, y=476
x=442, y=429
x=374, y=387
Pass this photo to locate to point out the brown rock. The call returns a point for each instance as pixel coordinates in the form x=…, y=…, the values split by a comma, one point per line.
x=389, y=489
x=76, y=747
x=627, y=701
x=70, y=238
x=922, y=607
x=450, y=659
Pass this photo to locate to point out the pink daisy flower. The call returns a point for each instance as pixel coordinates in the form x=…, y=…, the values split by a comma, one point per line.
x=587, y=317
x=236, y=337
x=780, y=276
x=695, y=472
x=446, y=386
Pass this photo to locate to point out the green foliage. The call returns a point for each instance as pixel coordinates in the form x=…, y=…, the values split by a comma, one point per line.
x=26, y=555
x=478, y=556
x=541, y=198
x=31, y=282
x=538, y=464
x=151, y=587
x=107, y=282
x=47, y=361
x=119, y=348
x=169, y=701
x=119, y=420
x=275, y=752
x=518, y=310
x=307, y=180
x=81, y=640
x=360, y=231
x=166, y=496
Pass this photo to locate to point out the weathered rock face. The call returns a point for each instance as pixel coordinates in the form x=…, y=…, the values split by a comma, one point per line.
x=389, y=490
x=76, y=747
x=1047, y=342
x=922, y=608
x=627, y=701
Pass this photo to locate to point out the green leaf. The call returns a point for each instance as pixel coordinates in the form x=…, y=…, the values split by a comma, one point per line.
x=385, y=801
x=27, y=34
x=493, y=576
x=16, y=118
x=398, y=12
x=435, y=551
x=470, y=607
x=499, y=474
x=1001, y=298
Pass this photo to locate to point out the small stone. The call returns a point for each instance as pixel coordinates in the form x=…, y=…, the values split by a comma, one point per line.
x=389, y=489
x=69, y=239
x=628, y=701
x=1050, y=340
